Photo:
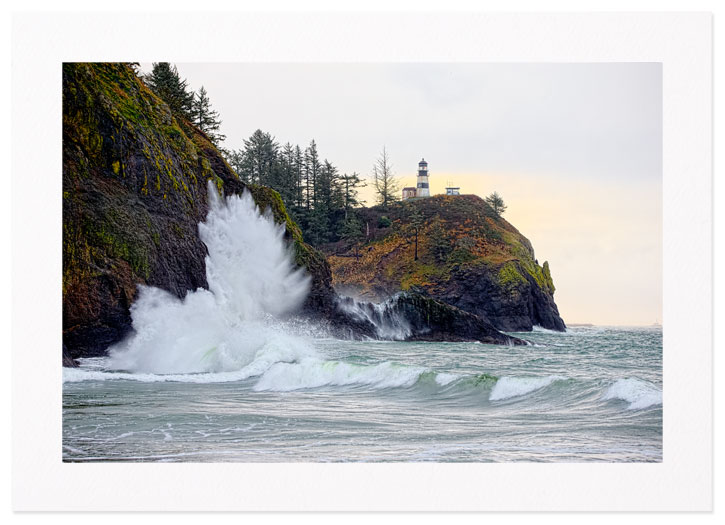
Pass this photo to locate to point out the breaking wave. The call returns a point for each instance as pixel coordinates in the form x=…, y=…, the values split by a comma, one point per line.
x=312, y=373
x=639, y=394
x=287, y=373
x=507, y=387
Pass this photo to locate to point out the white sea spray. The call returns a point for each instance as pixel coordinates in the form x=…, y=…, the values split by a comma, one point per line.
x=252, y=282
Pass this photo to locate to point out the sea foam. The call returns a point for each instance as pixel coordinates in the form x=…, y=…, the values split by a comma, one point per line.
x=639, y=394
x=315, y=373
x=510, y=386
x=232, y=325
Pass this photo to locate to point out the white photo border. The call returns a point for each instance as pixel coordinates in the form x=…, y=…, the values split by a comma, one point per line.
x=681, y=42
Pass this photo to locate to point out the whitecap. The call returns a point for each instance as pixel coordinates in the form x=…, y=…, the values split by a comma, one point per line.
x=638, y=393
x=443, y=378
x=510, y=386
x=315, y=373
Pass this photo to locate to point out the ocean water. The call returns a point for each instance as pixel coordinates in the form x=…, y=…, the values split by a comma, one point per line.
x=225, y=374
x=590, y=394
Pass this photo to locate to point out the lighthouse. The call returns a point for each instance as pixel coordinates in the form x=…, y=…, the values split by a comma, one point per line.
x=422, y=189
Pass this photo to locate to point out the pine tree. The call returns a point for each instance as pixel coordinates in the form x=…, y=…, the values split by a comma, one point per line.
x=317, y=197
x=386, y=185
x=298, y=168
x=439, y=241
x=235, y=158
x=205, y=118
x=286, y=176
x=325, y=203
x=311, y=171
x=496, y=202
x=164, y=80
x=352, y=232
x=349, y=185
x=259, y=158
x=416, y=224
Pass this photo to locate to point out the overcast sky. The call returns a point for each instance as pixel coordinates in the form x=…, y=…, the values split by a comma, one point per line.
x=574, y=149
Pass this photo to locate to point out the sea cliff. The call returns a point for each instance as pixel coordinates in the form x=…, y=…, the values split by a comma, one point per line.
x=455, y=249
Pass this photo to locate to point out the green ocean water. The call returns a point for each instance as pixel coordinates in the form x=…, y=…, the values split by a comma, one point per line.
x=590, y=394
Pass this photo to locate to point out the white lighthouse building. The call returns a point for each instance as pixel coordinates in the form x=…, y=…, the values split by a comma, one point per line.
x=422, y=189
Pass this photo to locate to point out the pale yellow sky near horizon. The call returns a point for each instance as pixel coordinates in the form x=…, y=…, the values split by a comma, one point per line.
x=584, y=230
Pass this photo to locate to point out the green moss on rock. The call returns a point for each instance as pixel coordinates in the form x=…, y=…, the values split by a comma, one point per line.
x=467, y=256
x=509, y=276
x=134, y=190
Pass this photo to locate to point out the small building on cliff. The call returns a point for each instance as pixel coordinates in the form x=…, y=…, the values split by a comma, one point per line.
x=409, y=192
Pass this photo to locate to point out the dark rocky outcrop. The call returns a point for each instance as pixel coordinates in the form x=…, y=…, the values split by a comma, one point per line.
x=415, y=317
x=468, y=257
x=432, y=320
x=68, y=360
x=517, y=305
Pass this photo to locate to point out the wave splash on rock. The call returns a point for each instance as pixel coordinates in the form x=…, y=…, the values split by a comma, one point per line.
x=253, y=282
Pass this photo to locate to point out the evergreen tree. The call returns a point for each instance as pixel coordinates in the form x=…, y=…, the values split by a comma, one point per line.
x=298, y=169
x=325, y=202
x=386, y=185
x=337, y=208
x=259, y=158
x=352, y=232
x=235, y=158
x=317, y=197
x=311, y=171
x=496, y=202
x=164, y=80
x=205, y=118
x=439, y=242
x=349, y=185
x=286, y=176
x=416, y=224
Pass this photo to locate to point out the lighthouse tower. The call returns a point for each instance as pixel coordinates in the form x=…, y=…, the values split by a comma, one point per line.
x=422, y=189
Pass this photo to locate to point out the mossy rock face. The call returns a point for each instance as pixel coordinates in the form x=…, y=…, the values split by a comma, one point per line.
x=134, y=191
x=468, y=257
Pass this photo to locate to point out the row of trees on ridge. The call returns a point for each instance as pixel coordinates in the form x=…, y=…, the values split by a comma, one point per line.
x=164, y=80
x=318, y=197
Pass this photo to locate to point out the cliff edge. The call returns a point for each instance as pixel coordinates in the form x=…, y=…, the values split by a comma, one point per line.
x=467, y=256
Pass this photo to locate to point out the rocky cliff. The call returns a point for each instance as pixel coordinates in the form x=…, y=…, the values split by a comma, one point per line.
x=135, y=183
x=134, y=191
x=467, y=256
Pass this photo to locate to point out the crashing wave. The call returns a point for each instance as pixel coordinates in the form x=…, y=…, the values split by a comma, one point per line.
x=388, y=323
x=252, y=283
x=639, y=394
x=509, y=386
